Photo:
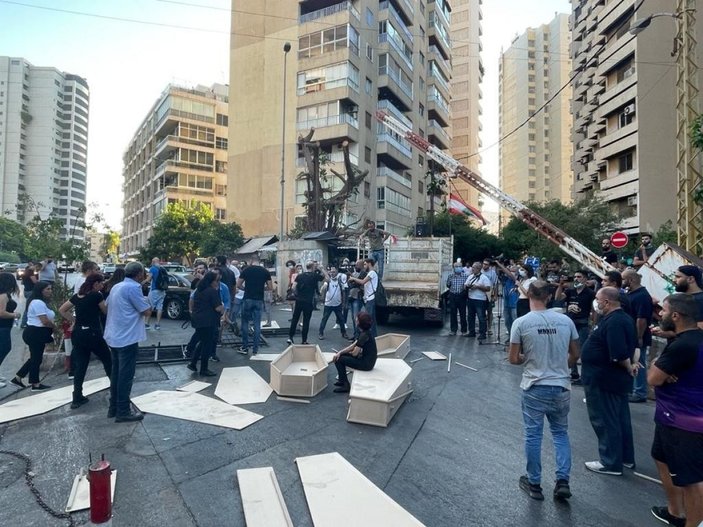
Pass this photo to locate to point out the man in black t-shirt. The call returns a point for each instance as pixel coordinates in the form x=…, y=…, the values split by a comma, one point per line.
x=607, y=252
x=642, y=312
x=254, y=278
x=607, y=371
x=677, y=376
x=578, y=301
x=305, y=287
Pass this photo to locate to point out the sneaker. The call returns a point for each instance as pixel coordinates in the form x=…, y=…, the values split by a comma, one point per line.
x=215, y=358
x=267, y=325
x=129, y=418
x=71, y=375
x=533, y=491
x=663, y=515
x=575, y=376
x=305, y=343
x=147, y=326
x=636, y=399
x=336, y=326
x=40, y=388
x=157, y=327
x=344, y=388
x=321, y=337
x=562, y=490
x=631, y=466
x=254, y=353
x=452, y=333
x=243, y=351
x=289, y=341
x=77, y=403
x=597, y=466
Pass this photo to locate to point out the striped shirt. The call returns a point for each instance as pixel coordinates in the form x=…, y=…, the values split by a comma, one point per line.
x=456, y=281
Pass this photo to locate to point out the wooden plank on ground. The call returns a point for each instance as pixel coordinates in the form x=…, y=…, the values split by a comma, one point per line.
x=434, y=355
x=193, y=386
x=242, y=386
x=262, y=499
x=331, y=483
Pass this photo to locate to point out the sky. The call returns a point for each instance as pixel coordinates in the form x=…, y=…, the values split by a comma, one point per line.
x=128, y=53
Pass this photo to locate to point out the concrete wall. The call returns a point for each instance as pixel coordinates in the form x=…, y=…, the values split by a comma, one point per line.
x=301, y=251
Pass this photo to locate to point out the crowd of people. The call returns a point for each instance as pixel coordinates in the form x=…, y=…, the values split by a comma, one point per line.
x=557, y=318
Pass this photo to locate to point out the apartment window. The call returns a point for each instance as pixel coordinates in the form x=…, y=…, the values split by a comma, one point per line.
x=531, y=101
x=328, y=40
x=328, y=77
x=221, y=166
x=367, y=189
x=420, y=187
x=531, y=196
x=422, y=58
x=421, y=110
x=367, y=154
x=627, y=115
x=368, y=86
x=531, y=137
x=220, y=214
x=369, y=17
x=627, y=70
x=222, y=120
x=531, y=184
x=368, y=120
x=531, y=149
x=530, y=78
x=221, y=143
x=626, y=162
x=420, y=161
x=369, y=52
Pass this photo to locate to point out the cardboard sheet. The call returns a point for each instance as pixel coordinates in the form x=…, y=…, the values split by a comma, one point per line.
x=262, y=499
x=434, y=355
x=195, y=407
x=46, y=401
x=193, y=386
x=331, y=483
x=242, y=386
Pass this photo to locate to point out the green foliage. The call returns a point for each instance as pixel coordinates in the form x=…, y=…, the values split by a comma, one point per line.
x=470, y=243
x=666, y=233
x=585, y=221
x=191, y=231
x=12, y=237
x=111, y=243
x=9, y=257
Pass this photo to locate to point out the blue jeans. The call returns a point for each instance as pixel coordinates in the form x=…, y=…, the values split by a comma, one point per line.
x=552, y=402
x=609, y=414
x=251, y=312
x=378, y=256
x=370, y=308
x=510, y=316
x=355, y=305
x=124, y=363
x=328, y=310
x=640, y=384
x=5, y=343
x=478, y=308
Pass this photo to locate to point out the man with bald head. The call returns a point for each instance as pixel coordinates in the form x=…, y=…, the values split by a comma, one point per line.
x=641, y=311
x=607, y=370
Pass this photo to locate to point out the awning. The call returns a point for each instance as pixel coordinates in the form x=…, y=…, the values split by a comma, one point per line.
x=254, y=245
x=320, y=236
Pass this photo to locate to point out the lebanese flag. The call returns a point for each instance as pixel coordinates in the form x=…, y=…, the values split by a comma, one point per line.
x=457, y=205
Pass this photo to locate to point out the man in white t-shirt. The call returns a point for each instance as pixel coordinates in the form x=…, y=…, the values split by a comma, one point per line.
x=334, y=297
x=370, y=284
x=478, y=285
x=546, y=343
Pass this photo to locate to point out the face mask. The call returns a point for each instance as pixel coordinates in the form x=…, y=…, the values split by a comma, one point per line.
x=578, y=284
x=458, y=270
x=522, y=273
x=597, y=308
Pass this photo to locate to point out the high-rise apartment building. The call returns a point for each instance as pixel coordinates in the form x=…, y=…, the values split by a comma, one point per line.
x=535, y=161
x=177, y=155
x=348, y=59
x=624, y=91
x=43, y=144
x=467, y=71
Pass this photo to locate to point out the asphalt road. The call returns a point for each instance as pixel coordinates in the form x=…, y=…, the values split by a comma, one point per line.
x=451, y=456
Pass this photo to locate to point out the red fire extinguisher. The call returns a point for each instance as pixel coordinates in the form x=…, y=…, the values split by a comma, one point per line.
x=66, y=328
x=100, y=492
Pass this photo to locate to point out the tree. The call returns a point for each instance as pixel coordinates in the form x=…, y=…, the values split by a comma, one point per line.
x=586, y=221
x=435, y=186
x=470, y=243
x=111, y=243
x=12, y=237
x=222, y=238
x=179, y=233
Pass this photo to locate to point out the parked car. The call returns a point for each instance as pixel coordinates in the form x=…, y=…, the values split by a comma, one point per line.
x=20, y=270
x=65, y=267
x=177, y=296
x=10, y=267
x=175, y=268
x=2, y=265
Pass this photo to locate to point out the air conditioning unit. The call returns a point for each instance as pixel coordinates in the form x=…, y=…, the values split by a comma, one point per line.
x=632, y=201
x=629, y=109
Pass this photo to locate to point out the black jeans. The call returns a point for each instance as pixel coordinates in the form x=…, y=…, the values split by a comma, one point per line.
x=523, y=306
x=85, y=341
x=477, y=308
x=457, y=302
x=609, y=414
x=337, y=310
x=304, y=308
x=124, y=364
x=206, y=337
x=356, y=364
x=36, y=338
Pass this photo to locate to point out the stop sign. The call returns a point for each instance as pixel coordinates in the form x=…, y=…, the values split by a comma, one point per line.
x=619, y=240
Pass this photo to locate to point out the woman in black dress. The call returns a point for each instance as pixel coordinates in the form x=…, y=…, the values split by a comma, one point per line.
x=87, y=335
x=360, y=355
x=8, y=287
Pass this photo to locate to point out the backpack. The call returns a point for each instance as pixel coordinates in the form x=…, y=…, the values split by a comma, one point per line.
x=162, y=279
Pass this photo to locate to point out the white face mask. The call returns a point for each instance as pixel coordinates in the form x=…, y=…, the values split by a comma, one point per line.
x=522, y=273
x=596, y=308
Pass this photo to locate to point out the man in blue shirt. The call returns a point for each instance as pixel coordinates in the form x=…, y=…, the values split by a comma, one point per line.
x=124, y=329
x=156, y=295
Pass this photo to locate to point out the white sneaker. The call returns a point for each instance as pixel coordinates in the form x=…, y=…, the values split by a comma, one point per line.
x=336, y=326
x=597, y=466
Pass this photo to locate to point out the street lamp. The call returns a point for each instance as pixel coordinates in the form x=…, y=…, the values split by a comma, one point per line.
x=286, y=49
x=689, y=218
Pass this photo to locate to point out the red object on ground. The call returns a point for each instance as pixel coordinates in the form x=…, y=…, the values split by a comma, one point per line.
x=100, y=491
x=619, y=240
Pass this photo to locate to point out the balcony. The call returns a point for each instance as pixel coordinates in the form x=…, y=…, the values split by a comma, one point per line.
x=333, y=157
x=331, y=120
x=329, y=85
x=439, y=108
x=406, y=10
x=437, y=57
x=436, y=77
x=391, y=108
x=332, y=128
x=438, y=34
x=328, y=11
x=385, y=4
x=437, y=130
x=383, y=38
x=405, y=89
x=439, y=8
x=393, y=152
x=395, y=176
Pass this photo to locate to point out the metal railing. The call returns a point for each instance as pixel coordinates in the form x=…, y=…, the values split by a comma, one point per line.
x=400, y=178
x=401, y=147
x=329, y=85
x=438, y=129
x=385, y=104
x=439, y=100
x=385, y=4
x=331, y=10
x=439, y=58
x=383, y=37
x=331, y=120
x=407, y=90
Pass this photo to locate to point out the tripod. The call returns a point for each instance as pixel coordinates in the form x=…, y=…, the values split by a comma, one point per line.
x=498, y=313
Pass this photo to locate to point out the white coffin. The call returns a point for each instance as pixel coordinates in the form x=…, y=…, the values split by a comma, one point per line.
x=393, y=345
x=300, y=371
x=376, y=395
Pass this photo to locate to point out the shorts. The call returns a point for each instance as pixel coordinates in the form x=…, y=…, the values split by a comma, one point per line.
x=681, y=451
x=156, y=299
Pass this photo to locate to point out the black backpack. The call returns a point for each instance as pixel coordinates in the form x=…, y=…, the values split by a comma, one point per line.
x=162, y=279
